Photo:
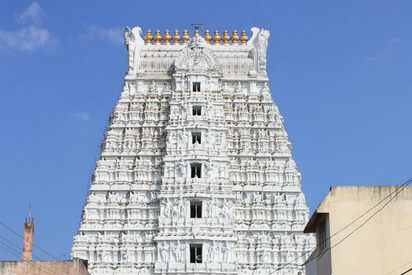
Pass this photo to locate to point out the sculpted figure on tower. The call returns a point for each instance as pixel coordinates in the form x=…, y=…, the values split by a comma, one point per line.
x=195, y=173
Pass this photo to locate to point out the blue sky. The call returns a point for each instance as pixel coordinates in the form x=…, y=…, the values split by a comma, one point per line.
x=340, y=73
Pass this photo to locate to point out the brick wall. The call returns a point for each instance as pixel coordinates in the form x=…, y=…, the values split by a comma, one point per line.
x=70, y=267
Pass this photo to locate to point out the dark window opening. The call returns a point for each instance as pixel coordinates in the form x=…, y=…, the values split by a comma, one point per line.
x=195, y=209
x=322, y=236
x=195, y=253
x=197, y=110
x=196, y=138
x=196, y=170
x=196, y=86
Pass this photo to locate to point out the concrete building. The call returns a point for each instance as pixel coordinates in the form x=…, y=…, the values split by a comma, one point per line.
x=195, y=174
x=68, y=267
x=362, y=230
x=29, y=267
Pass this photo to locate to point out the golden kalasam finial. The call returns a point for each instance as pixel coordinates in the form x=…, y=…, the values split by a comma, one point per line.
x=216, y=38
x=225, y=38
x=196, y=31
x=176, y=37
x=148, y=37
x=185, y=37
x=157, y=38
x=234, y=38
x=166, y=38
x=243, y=37
x=207, y=36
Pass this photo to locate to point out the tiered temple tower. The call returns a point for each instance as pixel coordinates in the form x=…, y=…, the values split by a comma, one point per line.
x=195, y=174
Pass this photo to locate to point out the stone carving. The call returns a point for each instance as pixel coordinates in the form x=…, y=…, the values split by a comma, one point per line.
x=133, y=42
x=137, y=217
x=259, y=40
x=266, y=92
x=197, y=42
x=196, y=56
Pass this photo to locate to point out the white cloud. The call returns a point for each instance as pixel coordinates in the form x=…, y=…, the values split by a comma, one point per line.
x=31, y=37
x=393, y=40
x=81, y=116
x=28, y=39
x=34, y=14
x=388, y=50
x=114, y=34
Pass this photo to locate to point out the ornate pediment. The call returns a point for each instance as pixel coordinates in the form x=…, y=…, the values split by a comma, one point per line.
x=196, y=56
x=195, y=173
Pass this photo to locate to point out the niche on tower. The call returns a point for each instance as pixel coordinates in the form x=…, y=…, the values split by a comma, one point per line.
x=195, y=68
x=196, y=86
x=197, y=110
x=196, y=253
x=197, y=83
x=196, y=138
x=195, y=170
x=196, y=209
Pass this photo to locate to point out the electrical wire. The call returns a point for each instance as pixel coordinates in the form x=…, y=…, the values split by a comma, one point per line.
x=9, y=249
x=399, y=267
x=44, y=251
x=49, y=269
x=291, y=262
x=361, y=225
x=361, y=216
x=52, y=270
x=19, y=248
x=16, y=253
x=407, y=271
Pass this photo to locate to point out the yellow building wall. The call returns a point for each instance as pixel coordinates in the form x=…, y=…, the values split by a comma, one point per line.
x=383, y=245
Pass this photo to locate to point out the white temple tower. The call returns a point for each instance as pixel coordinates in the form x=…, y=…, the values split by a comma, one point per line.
x=196, y=174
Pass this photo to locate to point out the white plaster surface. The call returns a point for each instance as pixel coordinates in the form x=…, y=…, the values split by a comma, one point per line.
x=136, y=218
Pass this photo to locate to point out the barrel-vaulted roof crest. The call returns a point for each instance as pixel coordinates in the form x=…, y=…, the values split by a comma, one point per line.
x=196, y=56
x=197, y=42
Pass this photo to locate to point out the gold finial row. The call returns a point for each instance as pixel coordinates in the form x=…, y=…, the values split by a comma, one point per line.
x=216, y=39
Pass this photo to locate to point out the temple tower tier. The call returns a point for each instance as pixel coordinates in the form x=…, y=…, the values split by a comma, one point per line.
x=195, y=174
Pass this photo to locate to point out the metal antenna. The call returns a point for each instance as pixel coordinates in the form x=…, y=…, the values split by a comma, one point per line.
x=29, y=211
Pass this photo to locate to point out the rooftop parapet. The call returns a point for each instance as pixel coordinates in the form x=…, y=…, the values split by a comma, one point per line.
x=177, y=39
x=236, y=54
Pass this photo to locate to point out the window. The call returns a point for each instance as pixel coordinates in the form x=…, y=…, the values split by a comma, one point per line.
x=197, y=110
x=196, y=138
x=195, y=253
x=196, y=170
x=196, y=209
x=196, y=86
x=322, y=236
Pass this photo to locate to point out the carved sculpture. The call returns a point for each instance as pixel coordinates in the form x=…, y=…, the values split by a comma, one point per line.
x=137, y=217
x=134, y=43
